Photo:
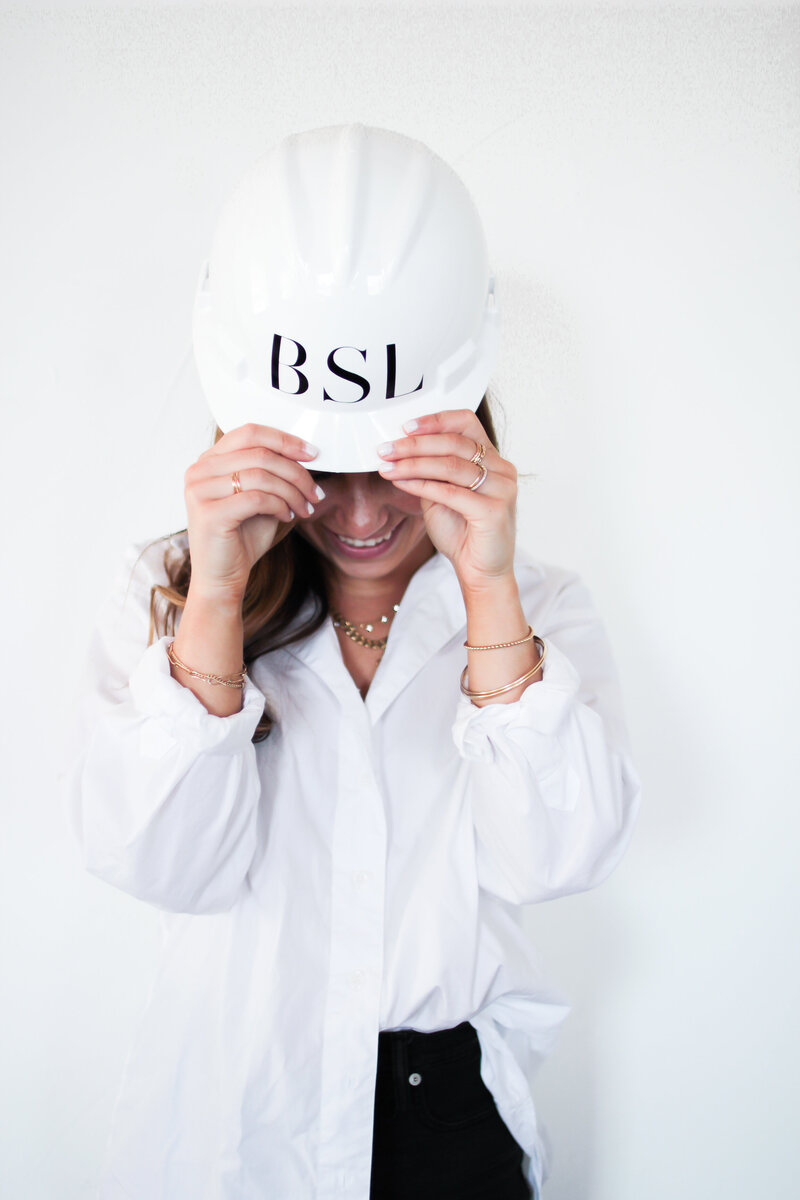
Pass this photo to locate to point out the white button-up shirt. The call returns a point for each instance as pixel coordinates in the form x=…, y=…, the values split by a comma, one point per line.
x=361, y=869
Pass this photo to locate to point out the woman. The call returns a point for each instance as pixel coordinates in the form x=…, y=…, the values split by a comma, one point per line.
x=371, y=728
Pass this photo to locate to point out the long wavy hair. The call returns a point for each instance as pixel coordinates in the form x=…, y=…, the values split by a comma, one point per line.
x=280, y=582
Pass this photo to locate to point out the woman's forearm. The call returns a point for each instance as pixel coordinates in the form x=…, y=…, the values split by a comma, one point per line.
x=210, y=638
x=494, y=614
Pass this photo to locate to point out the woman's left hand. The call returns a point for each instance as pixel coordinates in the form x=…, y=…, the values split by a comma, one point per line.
x=475, y=530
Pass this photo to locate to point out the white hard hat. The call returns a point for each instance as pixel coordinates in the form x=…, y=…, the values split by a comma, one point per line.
x=347, y=290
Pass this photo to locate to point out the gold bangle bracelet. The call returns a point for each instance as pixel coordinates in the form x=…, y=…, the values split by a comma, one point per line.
x=508, y=686
x=501, y=645
x=236, y=681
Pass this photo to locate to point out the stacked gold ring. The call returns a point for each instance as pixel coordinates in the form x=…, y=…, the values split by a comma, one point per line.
x=237, y=487
x=473, y=487
x=477, y=458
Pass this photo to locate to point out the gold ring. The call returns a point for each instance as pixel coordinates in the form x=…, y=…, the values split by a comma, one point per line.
x=479, y=455
x=237, y=487
x=473, y=487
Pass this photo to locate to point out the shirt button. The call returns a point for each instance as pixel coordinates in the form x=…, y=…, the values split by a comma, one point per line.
x=362, y=878
x=414, y=1079
x=357, y=979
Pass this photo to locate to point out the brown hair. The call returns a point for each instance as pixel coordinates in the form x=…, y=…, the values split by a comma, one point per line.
x=279, y=582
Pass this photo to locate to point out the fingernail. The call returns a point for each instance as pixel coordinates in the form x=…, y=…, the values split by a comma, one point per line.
x=390, y=466
x=386, y=448
x=310, y=507
x=309, y=449
x=410, y=426
x=320, y=493
x=291, y=514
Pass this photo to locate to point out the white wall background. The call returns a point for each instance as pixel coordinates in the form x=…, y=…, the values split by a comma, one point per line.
x=638, y=176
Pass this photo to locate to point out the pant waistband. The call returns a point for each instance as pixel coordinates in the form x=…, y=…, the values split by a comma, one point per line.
x=413, y=1046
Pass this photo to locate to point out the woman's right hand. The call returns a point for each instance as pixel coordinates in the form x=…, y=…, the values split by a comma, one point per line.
x=228, y=531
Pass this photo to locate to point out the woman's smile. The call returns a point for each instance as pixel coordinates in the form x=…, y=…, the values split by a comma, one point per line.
x=368, y=530
x=372, y=547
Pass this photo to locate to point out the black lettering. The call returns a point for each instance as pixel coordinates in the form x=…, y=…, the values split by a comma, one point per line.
x=334, y=367
x=391, y=374
x=277, y=338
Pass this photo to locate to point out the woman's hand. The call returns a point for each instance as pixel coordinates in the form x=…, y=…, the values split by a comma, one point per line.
x=475, y=530
x=228, y=531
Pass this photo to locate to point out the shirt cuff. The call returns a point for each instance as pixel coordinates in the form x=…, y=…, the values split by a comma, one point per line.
x=536, y=716
x=179, y=713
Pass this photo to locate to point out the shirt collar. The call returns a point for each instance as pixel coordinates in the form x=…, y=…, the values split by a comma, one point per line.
x=430, y=614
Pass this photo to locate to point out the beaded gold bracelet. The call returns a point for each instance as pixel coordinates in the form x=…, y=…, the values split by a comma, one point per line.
x=236, y=681
x=501, y=645
x=508, y=686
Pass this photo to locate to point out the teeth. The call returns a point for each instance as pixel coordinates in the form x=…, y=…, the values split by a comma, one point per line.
x=369, y=542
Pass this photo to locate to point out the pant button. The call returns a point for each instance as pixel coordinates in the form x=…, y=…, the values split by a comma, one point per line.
x=414, y=1079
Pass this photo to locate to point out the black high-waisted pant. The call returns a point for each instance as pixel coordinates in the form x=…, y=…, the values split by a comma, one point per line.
x=437, y=1132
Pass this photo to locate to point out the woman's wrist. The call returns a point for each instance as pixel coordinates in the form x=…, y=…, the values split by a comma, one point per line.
x=495, y=614
x=210, y=639
x=225, y=600
x=488, y=604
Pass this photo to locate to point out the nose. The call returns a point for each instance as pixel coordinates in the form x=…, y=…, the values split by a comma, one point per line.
x=362, y=504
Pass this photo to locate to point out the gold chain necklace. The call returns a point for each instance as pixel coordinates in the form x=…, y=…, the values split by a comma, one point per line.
x=351, y=629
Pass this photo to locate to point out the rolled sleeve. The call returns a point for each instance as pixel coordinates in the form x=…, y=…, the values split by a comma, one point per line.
x=548, y=778
x=162, y=796
x=533, y=720
x=178, y=717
